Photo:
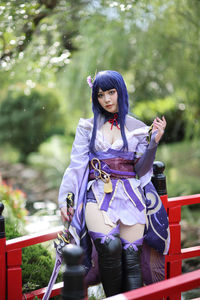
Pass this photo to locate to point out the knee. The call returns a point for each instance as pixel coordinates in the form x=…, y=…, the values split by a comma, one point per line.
x=111, y=247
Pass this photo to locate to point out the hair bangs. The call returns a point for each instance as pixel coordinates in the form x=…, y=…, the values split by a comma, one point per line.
x=104, y=82
x=107, y=80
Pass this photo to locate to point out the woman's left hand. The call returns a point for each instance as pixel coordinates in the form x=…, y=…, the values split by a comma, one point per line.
x=159, y=125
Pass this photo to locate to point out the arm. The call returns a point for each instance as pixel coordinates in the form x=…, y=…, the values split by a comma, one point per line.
x=145, y=162
x=72, y=179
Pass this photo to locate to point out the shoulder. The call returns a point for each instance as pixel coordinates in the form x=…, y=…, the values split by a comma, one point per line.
x=138, y=127
x=84, y=128
x=86, y=124
x=133, y=123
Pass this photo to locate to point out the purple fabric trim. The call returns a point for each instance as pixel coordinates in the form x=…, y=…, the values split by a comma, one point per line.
x=54, y=275
x=133, y=195
x=134, y=244
x=153, y=143
x=145, y=163
x=108, y=197
x=111, y=171
x=98, y=235
x=112, y=153
x=91, y=200
x=122, y=173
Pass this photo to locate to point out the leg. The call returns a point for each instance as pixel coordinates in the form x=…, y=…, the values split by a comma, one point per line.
x=132, y=239
x=109, y=249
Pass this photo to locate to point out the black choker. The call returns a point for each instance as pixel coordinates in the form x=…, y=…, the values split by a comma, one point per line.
x=113, y=119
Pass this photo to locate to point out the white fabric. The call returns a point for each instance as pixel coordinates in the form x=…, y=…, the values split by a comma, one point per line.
x=72, y=179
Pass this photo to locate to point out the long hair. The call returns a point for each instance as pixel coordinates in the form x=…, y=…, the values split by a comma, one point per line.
x=107, y=80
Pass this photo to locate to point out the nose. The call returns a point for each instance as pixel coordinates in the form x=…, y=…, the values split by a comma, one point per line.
x=107, y=97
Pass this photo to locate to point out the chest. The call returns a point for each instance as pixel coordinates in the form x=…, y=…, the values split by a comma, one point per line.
x=111, y=135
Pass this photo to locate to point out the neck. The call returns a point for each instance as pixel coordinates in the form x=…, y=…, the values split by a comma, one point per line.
x=113, y=119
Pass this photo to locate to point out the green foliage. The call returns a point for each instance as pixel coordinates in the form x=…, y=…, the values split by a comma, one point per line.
x=14, y=200
x=37, y=266
x=52, y=158
x=27, y=120
x=182, y=161
x=56, y=43
x=37, y=263
x=168, y=107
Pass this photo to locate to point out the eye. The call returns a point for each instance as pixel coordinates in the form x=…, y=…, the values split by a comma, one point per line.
x=100, y=95
x=112, y=92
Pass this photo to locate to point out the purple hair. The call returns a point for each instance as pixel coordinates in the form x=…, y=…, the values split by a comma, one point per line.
x=107, y=80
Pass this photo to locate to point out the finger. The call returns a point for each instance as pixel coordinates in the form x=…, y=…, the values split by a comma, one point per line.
x=64, y=215
x=71, y=211
x=158, y=119
x=160, y=123
x=164, y=120
x=64, y=220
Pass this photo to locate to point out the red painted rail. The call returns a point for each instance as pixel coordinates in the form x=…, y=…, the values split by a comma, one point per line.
x=164, y=288
x=13, y=250
x=173, y=261
x=11, y=258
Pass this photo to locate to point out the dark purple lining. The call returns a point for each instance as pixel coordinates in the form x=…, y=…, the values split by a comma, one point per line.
x=132, y=174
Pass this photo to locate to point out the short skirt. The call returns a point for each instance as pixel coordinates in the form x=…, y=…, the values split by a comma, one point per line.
x=121, y=208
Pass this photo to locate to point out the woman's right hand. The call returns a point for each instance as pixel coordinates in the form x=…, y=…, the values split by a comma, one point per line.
x=66, y=215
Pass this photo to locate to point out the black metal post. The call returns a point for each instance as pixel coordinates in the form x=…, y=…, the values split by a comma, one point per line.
x=2, y=255
x=159, y=179
x=2, y=222
x=74, y=272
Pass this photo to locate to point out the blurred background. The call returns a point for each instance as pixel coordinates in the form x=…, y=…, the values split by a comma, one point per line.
x=47, y=50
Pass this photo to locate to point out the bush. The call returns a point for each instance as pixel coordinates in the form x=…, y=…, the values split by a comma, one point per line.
x=27, y=120
x=37, y=263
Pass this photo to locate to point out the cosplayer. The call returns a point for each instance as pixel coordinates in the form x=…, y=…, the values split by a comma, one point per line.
x=116, y=207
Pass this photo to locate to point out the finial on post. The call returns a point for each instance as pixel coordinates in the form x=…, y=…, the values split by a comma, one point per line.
x=158, y=178
x=2, y=222
x=74, y=273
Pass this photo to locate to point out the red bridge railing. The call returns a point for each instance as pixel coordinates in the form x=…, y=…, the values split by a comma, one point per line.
x=11, y=255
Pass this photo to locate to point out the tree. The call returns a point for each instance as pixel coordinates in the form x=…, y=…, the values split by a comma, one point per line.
x=27, y=120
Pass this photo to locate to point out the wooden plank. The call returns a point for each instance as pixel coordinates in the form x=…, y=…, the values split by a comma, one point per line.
x=32, y=239
x=185, y=253
x=56, y=290
x=183, y=200
x=14, y=275
x=175, y=244
x=2, y=269
x=157, y=291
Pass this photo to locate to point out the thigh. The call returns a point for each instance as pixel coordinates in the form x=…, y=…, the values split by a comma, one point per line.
x=95, y=220
x=131, y=233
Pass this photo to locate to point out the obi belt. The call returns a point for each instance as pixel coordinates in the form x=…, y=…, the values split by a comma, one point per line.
x=116, y=166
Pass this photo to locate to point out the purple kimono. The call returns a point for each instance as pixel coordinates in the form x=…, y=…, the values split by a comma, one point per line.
x=141, y=203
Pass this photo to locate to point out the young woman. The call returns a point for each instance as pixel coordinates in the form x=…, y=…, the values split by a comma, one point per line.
x=116, y=206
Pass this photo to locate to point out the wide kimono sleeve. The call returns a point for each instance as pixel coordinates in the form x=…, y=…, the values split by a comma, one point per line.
x=76, y=171
x=145, y=154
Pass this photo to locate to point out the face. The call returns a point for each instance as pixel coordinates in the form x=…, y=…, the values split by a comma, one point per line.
x=108, y=100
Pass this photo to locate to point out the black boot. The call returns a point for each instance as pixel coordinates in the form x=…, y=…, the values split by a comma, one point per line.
x=131, y=268
x=109, y=260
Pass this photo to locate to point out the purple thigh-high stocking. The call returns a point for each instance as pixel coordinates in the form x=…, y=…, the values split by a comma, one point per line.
x=131, y=265
x=109, y=249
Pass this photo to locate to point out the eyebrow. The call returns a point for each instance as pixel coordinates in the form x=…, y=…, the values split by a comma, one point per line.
x=101, y=92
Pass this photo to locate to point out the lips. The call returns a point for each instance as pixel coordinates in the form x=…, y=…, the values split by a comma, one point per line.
x=109, y=106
